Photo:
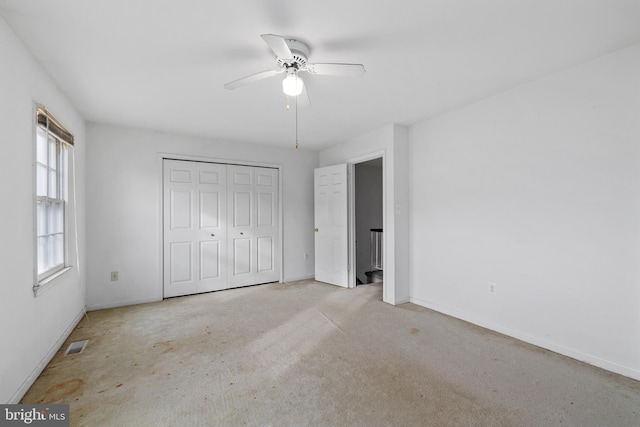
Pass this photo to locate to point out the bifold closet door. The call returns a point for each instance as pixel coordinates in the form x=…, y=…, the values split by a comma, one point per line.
x=253, y=224
x=195, y=232
x=221, y=226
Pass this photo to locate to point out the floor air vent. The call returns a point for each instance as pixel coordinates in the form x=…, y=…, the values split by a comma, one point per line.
x=76, y=347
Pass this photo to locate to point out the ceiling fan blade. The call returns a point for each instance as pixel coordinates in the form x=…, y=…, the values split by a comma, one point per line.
x=303, y=98
x=346, y=70
x=251, y=79
x=279, y=46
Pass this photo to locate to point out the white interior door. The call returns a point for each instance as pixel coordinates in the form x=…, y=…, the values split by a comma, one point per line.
x=253, y=224
x=194, y=227
x=267, y=228
x=331, y=231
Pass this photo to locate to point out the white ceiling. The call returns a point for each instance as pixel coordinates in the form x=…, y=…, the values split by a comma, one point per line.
x=162, y=64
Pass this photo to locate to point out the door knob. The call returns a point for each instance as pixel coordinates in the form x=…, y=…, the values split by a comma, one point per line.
x=316, y=229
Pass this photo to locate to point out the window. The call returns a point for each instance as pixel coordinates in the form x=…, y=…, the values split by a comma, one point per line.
x=53, y=142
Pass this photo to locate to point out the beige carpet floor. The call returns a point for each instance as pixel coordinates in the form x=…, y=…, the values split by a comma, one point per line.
x=311, y=354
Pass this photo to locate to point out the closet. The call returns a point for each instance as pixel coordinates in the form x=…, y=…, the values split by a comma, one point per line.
x=220, y=226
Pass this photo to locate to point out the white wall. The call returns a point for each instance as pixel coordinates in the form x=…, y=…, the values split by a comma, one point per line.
x=32, y=328
x=537, y=190
x=392, y=142
x=124, y=207
x=368, y=204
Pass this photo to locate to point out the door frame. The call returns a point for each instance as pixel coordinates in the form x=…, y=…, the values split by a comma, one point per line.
x=173, y=156
x=351, y=195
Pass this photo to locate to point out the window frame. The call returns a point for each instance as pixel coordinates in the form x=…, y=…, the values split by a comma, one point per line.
x=59, y=139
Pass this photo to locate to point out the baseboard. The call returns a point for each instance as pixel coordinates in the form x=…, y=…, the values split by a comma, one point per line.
x=556, y=348
x=26, y=385
x=402, y=300
x=297, y=279
x=94, y=307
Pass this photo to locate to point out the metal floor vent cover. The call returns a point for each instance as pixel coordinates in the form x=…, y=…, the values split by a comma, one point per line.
x=76, y=347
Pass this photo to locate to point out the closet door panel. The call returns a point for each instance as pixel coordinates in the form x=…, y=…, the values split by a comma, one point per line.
x=194, y=227
x=267, y=230
x=241, y=193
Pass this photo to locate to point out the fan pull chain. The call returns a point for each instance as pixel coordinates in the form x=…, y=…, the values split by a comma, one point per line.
x=296, y=122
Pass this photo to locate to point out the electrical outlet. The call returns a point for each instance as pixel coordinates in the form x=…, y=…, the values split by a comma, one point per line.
x=492, y=288
x=114, y=276
x=306, y=256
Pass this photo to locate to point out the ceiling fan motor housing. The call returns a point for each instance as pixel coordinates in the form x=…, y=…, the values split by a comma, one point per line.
x=300, y=52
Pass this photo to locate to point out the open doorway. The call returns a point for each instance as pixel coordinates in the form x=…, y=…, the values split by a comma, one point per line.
x=368, y=215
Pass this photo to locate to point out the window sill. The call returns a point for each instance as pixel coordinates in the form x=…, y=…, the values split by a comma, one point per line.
x=46, y=284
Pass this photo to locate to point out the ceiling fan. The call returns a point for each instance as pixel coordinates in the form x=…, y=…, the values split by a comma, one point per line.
x=292, y=59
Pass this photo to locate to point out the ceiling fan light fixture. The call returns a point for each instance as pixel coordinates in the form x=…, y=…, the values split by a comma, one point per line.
x=292, y=84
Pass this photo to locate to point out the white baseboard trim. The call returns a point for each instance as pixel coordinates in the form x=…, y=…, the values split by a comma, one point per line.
x=26, y=385
x=94, y=307
x=297, y=279
x=539, y=342
x=402, y=300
